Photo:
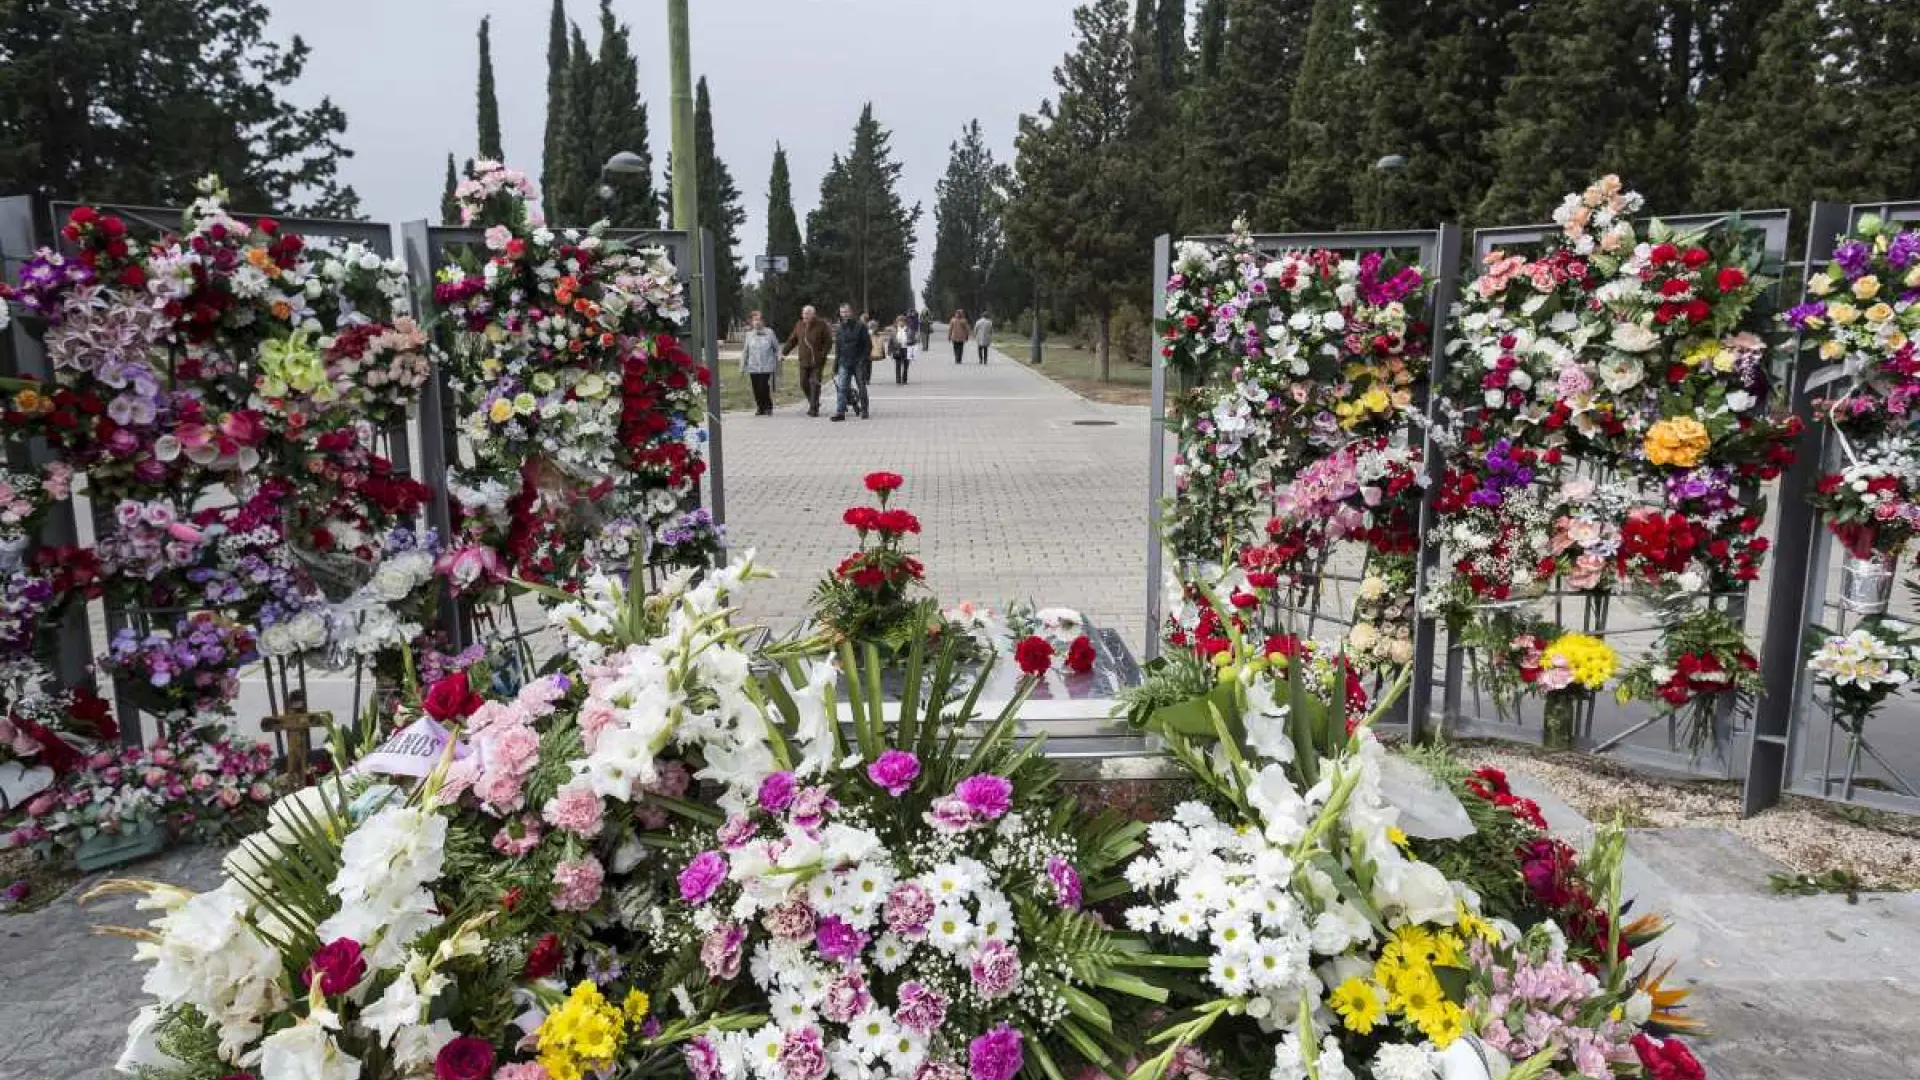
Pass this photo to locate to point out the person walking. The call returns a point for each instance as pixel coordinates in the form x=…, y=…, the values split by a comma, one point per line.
x=901, y=344
x=926, y=329
x=877, y=338
x=983, y=335
x=759, y=362
x=852, y=353
x=812, y=339
x=957, y=333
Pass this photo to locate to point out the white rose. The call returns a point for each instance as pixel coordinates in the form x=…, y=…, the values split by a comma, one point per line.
x=1334, y=322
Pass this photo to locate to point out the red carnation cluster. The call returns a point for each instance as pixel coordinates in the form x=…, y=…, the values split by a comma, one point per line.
x=1034, y=654
x=1653, y=543
x=1697, y=674
x=1667, y=1059
x=1491, y=784
x=880, y=567
x=1689, y=285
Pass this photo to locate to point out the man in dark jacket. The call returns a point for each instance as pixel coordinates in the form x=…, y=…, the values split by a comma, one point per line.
x=852, y=352
x=812, y=338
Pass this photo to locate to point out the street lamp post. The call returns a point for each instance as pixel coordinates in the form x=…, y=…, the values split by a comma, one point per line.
x=623, y=163
x=1388, y=164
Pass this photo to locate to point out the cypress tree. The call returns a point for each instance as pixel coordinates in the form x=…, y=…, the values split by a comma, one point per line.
x=782, y=295
x=619, y=122
x=450, y=206
x=967, y=245
x=552, y=156
x=720, y=210
x=860, y=237
x=489, y=107
x=1211, y=37
x=577, y=202
x=1323, y=158
x=1170, y=42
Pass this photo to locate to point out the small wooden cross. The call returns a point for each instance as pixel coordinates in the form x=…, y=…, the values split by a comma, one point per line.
x=295, y=724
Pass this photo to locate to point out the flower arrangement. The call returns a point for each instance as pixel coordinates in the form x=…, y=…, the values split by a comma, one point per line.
x=573, y=388
x=1861, y=319
x=873, y=595
x=1871, y=504
x=1701, y=661
x=187, y=672
x=1573, y=667
x=45, y=725
x=1861, y=668
x=193, y=788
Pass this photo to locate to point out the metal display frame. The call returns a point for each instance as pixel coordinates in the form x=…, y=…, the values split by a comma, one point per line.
x=1726, y=760
x=1438, y=255
x=428, y=247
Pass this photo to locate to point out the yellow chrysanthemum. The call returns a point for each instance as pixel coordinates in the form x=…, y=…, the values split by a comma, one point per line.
x=1443, y=1023
x=1358, y=1004
x=583, y=1035
x=636, y=1006
x=1415, y=994
x=1592, y=661
x=1700, y=353
x=1473, y=926
x=1680, y=441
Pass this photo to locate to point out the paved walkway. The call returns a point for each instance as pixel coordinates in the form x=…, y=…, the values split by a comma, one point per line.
x=1024, y=490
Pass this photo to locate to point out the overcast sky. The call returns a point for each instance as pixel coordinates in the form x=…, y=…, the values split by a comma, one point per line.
x=795, y=71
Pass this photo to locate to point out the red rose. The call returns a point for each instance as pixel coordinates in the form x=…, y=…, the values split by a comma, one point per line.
x=1731, y=278
x=1034, y=655
x=1662, y=254
x=338, y=965
x=1673, y=287
x=1695, y=257
x=543, y=959
x=1699, y=310
x=465, y=1058
x=880, y=483
x=1080, y=656
x=449, y=699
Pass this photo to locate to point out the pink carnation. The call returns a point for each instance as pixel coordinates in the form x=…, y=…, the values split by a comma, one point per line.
x=907, y=909
x=575, y=810
x=995, y=969
x=579, y=883
x=791, y=921
x=921, y=1009
x=987, y=795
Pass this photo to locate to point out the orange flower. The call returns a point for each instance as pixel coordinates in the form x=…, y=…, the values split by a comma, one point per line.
x=1667, y=1003
x=1679, y=441
x=282, y=310
x=563, y=290
x=32, y=402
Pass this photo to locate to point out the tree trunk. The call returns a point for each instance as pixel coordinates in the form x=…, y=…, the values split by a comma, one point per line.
x=1103, y=348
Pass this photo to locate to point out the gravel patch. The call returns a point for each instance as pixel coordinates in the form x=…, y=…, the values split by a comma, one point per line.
x=1812, y=837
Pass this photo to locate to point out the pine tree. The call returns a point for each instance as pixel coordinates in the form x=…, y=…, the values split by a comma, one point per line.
x=720, y=210
x=553, y=174
x=489, y=107
x=782, y=294
x=1432, y=82
x=1323, y=158
x=1772, y=142
x=1587, y=76
x=1238, y=152
x=619, y=122
x=860, y=237
x=967, y=247
x=136, y=100
x=449, y=205
x=1075, y=218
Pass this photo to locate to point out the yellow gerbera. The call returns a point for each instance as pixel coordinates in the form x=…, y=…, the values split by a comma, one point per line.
x=1358, y=1003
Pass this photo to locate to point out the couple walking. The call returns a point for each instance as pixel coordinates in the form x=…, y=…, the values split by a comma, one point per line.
x=981, y=333
x=855, y=343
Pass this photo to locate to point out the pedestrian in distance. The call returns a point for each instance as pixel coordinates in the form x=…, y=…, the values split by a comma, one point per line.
x=877, y=338
x=810, y=341
x=957, y=332
x=926, y=330
x=760, y=362
x=983, y=335
x=900, y=345
x=913, y=335
x=852, y=354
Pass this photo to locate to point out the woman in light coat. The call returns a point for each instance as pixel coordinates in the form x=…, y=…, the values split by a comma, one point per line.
x=760, y=362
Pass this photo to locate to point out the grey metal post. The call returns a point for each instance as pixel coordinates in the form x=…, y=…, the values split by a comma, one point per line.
x=709, y=331
x=23, y=356
x=1446, y=288
x=1799, y=567
x=1156, y=445
x=435, y=426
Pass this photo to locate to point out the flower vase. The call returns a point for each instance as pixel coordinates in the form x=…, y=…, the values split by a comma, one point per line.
x=1562, y=720
x=104, y=849
x=1866, y=584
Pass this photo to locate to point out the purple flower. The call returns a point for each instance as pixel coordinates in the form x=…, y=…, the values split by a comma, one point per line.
x=1799, y=314
x=776, y=792
x=802, y=1057
x=921, y=1009
x=1854, y=258
x=703, y=877
x=894, y=772
x=997, y=1055
x=1904, y=250
x=1066, y=882
x=987, y=795
x=907, y=909
x=837, y=939
x=995, y=969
